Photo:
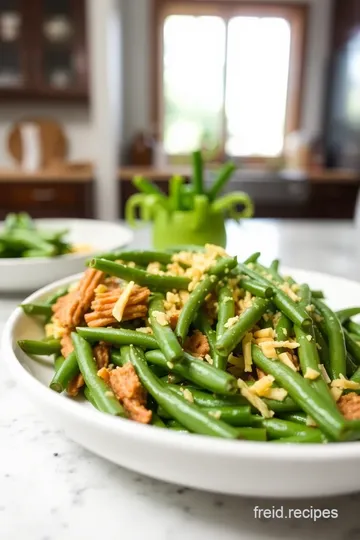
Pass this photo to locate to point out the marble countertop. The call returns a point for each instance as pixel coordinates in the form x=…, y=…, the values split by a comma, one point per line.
x=52, y=489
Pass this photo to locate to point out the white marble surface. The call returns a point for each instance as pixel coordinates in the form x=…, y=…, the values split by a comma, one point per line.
x=52, y=489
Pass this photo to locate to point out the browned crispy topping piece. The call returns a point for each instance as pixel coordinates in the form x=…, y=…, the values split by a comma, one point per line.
x=104, y=302
x=66, y=345
x=173, y=318
x=127, y=387
x=197, y=345
x=349, y=406
x=71, y=308
x=102, y=354
x=75, y=384
x=104, y=374
x=260, y=373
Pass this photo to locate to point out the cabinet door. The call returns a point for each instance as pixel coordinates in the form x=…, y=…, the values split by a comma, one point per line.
x=14, y=53
x=62, y=59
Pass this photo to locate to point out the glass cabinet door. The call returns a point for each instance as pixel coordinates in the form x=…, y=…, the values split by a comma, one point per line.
x=12, y=68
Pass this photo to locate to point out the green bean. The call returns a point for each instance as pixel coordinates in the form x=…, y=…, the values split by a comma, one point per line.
x=317, y=294
x=143, y=185
x=274, y=266
x=233, y=335
x=52, y=299
x=58, y=362
x=274, y=275
x=176, y=426
x=351, y=366
x=356, y=376
x=257, y=289
x=252, y=434
x=309, y=359
x=156, y=421
x=226, y=311
x=203, y=324
x=164, y=335
x=188, y=414
x=37, y=309
x=235, y=416
x=198, y=372
x=278, y=429
x=352, y=347
x=31, y=240
x=141, y=277
x=170, y=378
x=89, y=397
x=253, y=258
x=198, y=295
x=66, y=372
x=198, y=167
x=335, y=334
x=209, y=400
x=344, y=314
x=42, y=348
x=283, y=328
x=298, y=417
x=143, y=258
x=306, y=439
x=104, y=399
x=118, y=336
x=355, y=337
x=305, y=295
x=175, y=190
x=297, y=314
x=222, y=178
x=353, y=327
x=322, y=347
x=328, y=419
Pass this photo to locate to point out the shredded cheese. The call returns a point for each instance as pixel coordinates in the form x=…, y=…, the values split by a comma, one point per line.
x=345, y=384
x=311, y=374
x=145, y=330
x=230, y=322
x=268, y=349
x=336, y=393
x=246, y=348
x=160, y=317
x=209, y=359
x=310, y=422
x=188, y=395
x=261, y=386
x=309, y=337
x=215, y=414
x=119, y=308
x=277, y=394
x=286, y=359
x=254, y=400
x=324, y=374
x=285, y=287
x=101, y=289
x=264, y=333
x=310, y=308
x=236, y=360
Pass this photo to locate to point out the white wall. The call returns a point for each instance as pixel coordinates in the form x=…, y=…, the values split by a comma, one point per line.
x=136, y=75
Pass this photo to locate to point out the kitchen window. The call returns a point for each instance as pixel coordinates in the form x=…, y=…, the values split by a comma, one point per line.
x=229, y=76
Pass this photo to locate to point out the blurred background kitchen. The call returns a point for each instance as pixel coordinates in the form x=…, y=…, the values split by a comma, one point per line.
x=93, y=92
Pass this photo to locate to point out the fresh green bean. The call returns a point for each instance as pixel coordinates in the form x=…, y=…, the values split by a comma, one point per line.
x=156, y=421
x=335, y=334
x=198, y=295
x=206, y=400
x=175, y=190
x=353, y=327
x=317, y=294
x=188, y=414
x=344, y=314
x=235, y=416
x=226, y=311
x=252, y=434
x=66, y=372
x=222, y=178
x=351, y=366
x=352, y=347
x=42, y=348
x=257, y=289
x=176, y=426
x=198, y=172
x=305, y=295
x=104, y=399
x=274, y=266
x=118, y=336
x=52, y=299
x=143, y=185
x=253, y=258
x=141, y=277
x=328, y=419
x=305, y=439
x=274, y=275
x=58, y=362
x=298, y=417
x=309, y=359
x=297, y=314
x=143, y=258
x=356, y=376
x=90, y=398
x=198, y=372
x=322, y=347
x=278, y=429
x=164, y=335
x=283, y=328
x=233, y=335
x=37, y=309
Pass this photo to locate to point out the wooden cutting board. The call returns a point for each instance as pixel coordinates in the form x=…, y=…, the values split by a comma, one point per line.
x=53, y=141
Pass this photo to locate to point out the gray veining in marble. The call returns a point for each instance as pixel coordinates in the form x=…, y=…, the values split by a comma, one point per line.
x=52, y=489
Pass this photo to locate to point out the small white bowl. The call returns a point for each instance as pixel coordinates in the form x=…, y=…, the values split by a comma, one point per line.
x=234, y=467
x=28, y=274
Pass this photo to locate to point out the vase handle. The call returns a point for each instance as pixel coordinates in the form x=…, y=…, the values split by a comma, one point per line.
x=228, y=203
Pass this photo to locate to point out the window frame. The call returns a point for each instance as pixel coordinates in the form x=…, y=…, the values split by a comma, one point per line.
x=295, y=14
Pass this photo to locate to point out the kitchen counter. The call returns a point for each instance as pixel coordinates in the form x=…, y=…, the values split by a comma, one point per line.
x=52, y=489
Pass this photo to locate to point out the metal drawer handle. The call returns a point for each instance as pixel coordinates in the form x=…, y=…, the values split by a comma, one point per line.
x=44, y=195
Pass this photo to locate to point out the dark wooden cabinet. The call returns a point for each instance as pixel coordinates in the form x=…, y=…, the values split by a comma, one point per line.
x=43, y=52
x=47, y=199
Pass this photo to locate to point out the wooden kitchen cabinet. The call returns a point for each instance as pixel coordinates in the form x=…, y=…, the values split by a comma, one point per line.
x=43, y=52
x=47, y=199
